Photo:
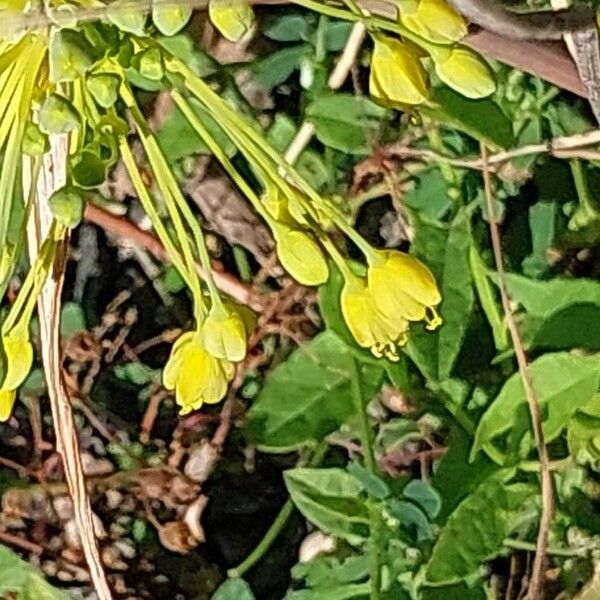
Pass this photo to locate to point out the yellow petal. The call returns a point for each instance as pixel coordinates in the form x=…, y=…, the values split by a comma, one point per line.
x=173, y=366
x=19, y=358
x=435, y=21
x=201, y=378
x=397, y=75
x=233, y=18
x=224, y=334
x=369, y=327
x=300, y=256
x=399, y=283
x=465, y=72
x=7, y=401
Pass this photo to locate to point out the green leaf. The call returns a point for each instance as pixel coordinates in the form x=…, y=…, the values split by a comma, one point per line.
x=446, y=253
x=233, y=589
x=331, y=499
x=182, y=46
x=346, y=122
x=72, y=320
x=120, y=14
x=475, y=530
x=481, y=119
x=307, y=397
x=374, y=485
x=563, y=383
x=455, y=477
x=278, y=66
x=288, y=27
x=574, y=326
x=542, y=224
x=411, y=518
x=170, y=20
x=17, y=575
x=71, y=55
x=583, y=437
x=542, y=298
x=457, y=294
x=426, y=496
x=326, y=574
x=58, y=115
x=178, y=139
x=487, y=299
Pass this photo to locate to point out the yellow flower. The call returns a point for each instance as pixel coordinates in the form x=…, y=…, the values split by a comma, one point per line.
x=464, y=72
x=18, y=352
x=195, y=374
x=397, y=75
x=300, y=255
x=369, y=327
x=433, y=20
x=402, y=285
x=224, y=333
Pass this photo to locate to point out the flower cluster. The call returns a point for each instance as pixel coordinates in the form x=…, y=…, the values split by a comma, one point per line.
x=378, y=308
x=429, y=28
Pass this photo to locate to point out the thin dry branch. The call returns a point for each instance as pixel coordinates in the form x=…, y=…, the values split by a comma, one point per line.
x=535, y=591
x=574, y=146
x=52, y=177
x=124, y=228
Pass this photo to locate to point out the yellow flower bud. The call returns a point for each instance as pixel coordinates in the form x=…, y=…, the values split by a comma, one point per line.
x=233, y=18
x=464, y=72
x=19, y=358
x=402, y=285
x=369, y=327
x=433, y=20
x=397, y=75
x=18, y=353
x=195, y=374
x=300, y=255
x=224, y=334
x=7, y=401
x=286, y=210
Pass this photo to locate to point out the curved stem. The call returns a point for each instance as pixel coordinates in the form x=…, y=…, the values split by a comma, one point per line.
x=367, y=442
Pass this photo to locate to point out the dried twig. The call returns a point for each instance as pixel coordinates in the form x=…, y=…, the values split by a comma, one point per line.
x=53, y=176
x=126, y=229
x=537, y=576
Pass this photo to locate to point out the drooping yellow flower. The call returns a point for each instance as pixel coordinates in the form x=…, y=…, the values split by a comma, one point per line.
x=433, y=20
x=224, y=333
x=369, y=327
x=18, y=353
x=402, y=285
x=300, y=255
x=465, y=72
x=195, y=374
x=397, y=75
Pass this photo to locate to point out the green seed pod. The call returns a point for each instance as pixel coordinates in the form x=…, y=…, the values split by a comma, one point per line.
x=104, y=87
x=35, y=142
x=170, y=20
x=67, y=206
x=58, y=115
x=233, y=18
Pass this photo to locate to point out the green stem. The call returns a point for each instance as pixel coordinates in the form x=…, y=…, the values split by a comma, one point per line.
x=367, y=441
x=267, y=541
x=551, y=550
x=278, y=524
x=172, y=201
x=150, y=210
